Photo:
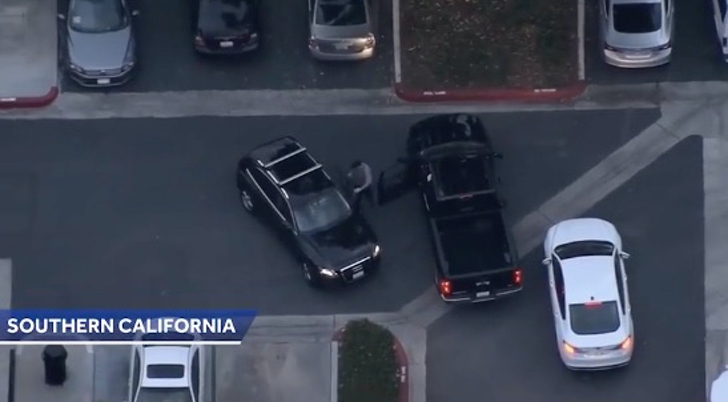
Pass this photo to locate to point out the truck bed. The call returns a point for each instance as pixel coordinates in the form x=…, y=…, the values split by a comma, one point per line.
x=474, y=243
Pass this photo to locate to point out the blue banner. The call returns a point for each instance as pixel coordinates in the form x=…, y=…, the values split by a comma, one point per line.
x=124, y=326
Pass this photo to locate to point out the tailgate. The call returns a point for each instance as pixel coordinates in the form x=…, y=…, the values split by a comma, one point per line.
x=486, y=286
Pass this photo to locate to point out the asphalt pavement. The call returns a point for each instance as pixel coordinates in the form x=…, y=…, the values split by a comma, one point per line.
x=142, y=213
x=506, y=351
x=167, y=61
x=696, y=53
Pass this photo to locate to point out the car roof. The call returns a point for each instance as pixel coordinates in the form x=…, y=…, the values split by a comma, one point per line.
x=589, y=278
x=584, y=229
x=286, y=161
x=165, y=355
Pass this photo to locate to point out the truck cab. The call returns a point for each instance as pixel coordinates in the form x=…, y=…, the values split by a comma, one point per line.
x=451, y=162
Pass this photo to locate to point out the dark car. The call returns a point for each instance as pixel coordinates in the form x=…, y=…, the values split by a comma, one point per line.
x=284, y=185
x=226, y=26
x=450, y=159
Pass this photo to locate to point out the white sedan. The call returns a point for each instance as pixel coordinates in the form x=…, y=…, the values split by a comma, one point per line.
x=163, y=373
x=589, y=294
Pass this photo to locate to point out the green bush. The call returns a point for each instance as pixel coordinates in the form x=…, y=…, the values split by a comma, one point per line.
x=367, y=364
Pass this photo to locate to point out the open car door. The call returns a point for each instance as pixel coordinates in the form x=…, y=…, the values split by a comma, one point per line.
x=395, y=181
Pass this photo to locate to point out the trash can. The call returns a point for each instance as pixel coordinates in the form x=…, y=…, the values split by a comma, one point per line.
x=54, y=361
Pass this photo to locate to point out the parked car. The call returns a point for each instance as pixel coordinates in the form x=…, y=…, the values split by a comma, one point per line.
x=341, y=29
x=451, y=161
x=589, y=294
x=636, y=33
x=283, y=184
x=226, y=26
x=99, y=48
x=720, y=18
x=161, y=373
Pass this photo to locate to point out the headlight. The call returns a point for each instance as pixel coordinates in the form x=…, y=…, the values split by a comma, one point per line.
x=312, y=43
x=370, y=41
x=129, y=58
x=254, y=36
x=376, y=251
x=75, y=67
x=327, y=272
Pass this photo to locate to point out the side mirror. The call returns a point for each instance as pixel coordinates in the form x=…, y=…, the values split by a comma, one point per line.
x=61, y=17
x=623, y=255
x=546, y=261
x=497, y=155
x=134, y=13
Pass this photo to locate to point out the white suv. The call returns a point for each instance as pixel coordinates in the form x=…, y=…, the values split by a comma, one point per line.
x=589, y=295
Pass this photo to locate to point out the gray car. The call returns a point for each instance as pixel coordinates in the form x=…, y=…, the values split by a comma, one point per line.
x=636, y=33
x=341, y=29
x=99, y=48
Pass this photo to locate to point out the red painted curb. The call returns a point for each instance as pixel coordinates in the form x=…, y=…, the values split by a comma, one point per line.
x=492, y=95
x=29, y=102
x=402, y=362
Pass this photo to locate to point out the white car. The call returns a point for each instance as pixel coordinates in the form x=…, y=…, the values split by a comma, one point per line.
x=164, y=373
x=589, y=294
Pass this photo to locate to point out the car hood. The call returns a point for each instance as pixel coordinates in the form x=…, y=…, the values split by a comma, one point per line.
x=340, y=32
x=636, y=41
x=341, y=245
x=98, y=51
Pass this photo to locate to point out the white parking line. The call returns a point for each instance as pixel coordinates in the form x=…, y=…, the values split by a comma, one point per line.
x=397, y=43
x=580, y=34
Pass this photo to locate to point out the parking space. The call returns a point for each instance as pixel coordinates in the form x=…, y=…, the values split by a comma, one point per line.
x=696, y=53
x=144, y=213
x=506, y=351
x=167, y=61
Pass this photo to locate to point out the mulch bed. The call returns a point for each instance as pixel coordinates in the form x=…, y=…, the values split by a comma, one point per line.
x=372, y=364
x=474, y=44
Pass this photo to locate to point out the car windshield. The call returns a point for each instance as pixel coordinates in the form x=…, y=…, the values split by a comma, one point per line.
x=97, y=16
x=584, y=249
x=594, y=318
x=320, y=211
x=637, y=17
x=341, y=12
x=147, y=394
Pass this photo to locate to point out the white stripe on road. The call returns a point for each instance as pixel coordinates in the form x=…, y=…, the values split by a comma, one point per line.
x=580, y=35
x=397, y=42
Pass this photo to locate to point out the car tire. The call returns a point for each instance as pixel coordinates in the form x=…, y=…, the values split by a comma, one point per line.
x=247, y=201
x=311, y=277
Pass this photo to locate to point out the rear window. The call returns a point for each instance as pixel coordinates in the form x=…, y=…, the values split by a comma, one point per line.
x=460, y=176
x=584, y=249
x=637, y=18
x=341, y=12
x=97, y=16
x=592, y=319
x=165, y=371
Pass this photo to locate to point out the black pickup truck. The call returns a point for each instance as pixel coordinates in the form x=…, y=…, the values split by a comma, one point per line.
x=450, y=159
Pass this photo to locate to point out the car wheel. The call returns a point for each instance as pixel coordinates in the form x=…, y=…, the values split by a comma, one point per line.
x=312, y=279
x=247, y=201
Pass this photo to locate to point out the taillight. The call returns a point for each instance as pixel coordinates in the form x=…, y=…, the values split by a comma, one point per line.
x=610, y=48
x=517, y=276
x=312, y=43
x=569, y=349
x=665, y=46
x=627, y=343
x=199, y=41
x=445, y=287
x=370, y=41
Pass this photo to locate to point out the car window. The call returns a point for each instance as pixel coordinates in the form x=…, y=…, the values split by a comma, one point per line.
x=147, y=394
x=341, y=12
x=320, y=211
x=195, y=373
x=97, y=16
x=620, y=283
x=165, y=371
x=559, y=285
x=282, y=206
x=594, y=318
x=458, y=175
x=269, y=189
x=584, y=249
x=637, y=17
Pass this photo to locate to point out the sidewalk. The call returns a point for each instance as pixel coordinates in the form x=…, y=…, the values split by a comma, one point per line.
x=28, y=53
x=30, y=380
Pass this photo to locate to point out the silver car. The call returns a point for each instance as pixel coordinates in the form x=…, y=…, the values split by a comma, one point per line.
x=341, y=29
x=636, y=33
x=99, y=47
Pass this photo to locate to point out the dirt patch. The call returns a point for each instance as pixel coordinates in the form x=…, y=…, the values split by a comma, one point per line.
x=472, y=44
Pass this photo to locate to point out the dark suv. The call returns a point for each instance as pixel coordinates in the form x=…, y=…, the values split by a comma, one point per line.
x=281, y=183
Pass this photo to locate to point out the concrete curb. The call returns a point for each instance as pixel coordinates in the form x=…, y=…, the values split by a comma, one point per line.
x=399, y=354
x=30, y=101
x=492, y=94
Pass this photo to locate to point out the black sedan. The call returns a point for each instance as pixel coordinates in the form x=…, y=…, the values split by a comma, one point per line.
x=226, y=26
x=281, y=183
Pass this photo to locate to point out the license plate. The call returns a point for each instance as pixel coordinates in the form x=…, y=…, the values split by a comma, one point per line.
x=482, y=294
x=103, y=81
x=341, y=46
x=226, y=43
x=358, y=275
